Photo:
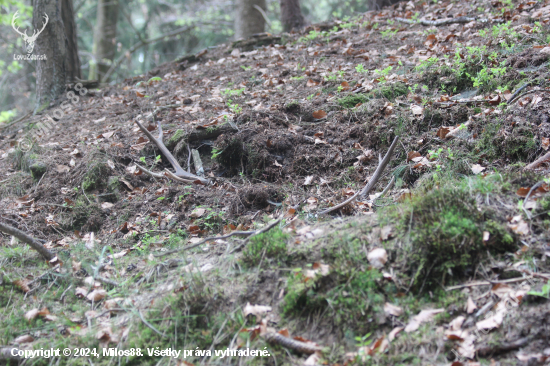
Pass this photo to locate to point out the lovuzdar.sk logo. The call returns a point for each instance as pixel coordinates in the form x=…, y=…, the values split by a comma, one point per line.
x=29, y=40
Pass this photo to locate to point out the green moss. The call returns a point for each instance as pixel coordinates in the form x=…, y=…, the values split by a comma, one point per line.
x=96, y=176
x=175, y=138
x=444, y=229
x=350, y=101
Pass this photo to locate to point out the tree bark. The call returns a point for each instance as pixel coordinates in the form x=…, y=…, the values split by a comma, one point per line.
x=50, y=72
x=73, y=61
x=248, y=19
x=104, y=38
x=379, y=4
x=291, y=15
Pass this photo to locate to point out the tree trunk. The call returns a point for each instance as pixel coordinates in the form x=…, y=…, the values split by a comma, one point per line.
x=379, y=4
x=73, y=61
x=104, y=38
x=50, y=72
x=248, y=19
x=291, y=15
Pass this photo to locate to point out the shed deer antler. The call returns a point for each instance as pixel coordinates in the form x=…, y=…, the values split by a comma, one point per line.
x=29, y=40
x=180, y=173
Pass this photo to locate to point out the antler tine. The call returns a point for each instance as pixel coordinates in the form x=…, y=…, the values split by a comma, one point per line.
x=179, y=172
x=16, y=16
x=35, y=35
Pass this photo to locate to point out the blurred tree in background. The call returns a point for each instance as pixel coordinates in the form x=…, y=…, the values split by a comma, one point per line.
x=129, y=34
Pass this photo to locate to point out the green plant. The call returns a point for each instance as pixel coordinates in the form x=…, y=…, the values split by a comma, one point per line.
x=388, y=33
x=268, y=247
x=246, y=68
x=233, y=93
x=545, y=291
x=361, y=69
x=383, y=74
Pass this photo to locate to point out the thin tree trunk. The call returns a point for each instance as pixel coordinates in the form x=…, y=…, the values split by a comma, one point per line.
x=291, y=15
x=379, y=4
x=248, y=19
x=104, y=38
x=50, y=72
x=73, y=61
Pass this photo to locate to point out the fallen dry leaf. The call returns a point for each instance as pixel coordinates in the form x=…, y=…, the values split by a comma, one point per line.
x=391, y=309
x=257, y=310
x=377, y=257
x=96, y=295
x=476, y=168
x=319, y=114
x=422, y=317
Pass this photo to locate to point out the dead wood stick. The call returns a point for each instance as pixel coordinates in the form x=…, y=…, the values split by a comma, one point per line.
x=370, y=185
x=211, y=238
x=33, y=243
x=543, y=159
x=179, y=172
x=293, y=344
x=6, y=354
x=503, y=347
x=442, y=21
x=485, y=283
x=528, y=92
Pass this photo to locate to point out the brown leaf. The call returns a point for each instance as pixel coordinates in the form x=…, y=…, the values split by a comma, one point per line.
x=422, y=317
x=443, y=131
x=391, y=309
x=545, y=143
x=412, y=154
x=319, y=114
x=22, y=284
x=26, y=338
x=97, y=295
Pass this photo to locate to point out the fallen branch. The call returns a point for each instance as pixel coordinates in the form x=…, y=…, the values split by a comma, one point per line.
x=180, y=173
x=535, y=164
x=6, y=354
x=502, y=347
x=298, y=346
x=377, y=174
x=528, y=92
x=486, y=283
x=33, y=243
x=518, y=91
x=447, y=21
x=248, y=234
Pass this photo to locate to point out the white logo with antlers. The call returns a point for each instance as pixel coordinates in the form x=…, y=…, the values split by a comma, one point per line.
x=29, y=41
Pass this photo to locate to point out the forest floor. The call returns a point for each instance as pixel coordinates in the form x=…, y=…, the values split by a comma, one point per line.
x=448, y=267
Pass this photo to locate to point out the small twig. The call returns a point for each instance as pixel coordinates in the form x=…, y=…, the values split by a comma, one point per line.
x=371, y=183
x=503, y=347
x=444, y=21
x=485, y=283
x=149, y=325
x=64, y=292
x=3, y=127
x=543, y=159
x=107, y=281
x=82, y=186
x=528, y=92
x=293, y=344
x=518, y=91
x=529, y=194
